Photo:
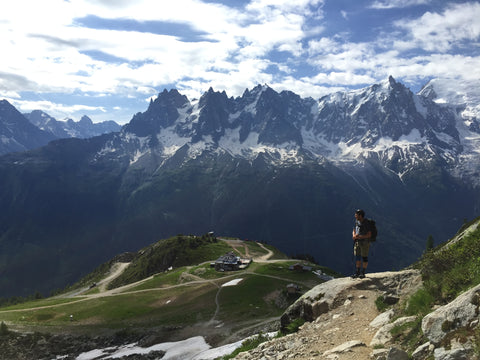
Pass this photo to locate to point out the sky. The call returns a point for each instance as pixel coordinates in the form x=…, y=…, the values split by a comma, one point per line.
x=107, y=58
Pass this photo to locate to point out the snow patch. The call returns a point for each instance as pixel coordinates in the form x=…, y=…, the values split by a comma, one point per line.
x=232, y=282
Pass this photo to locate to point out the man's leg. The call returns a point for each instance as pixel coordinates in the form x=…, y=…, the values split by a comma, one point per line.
x=358, y=258
x=364, y=250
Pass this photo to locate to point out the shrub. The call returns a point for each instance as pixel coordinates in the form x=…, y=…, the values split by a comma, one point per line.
x=293, y=326
x=3, y=329
x=380, y=303
x=420, y=303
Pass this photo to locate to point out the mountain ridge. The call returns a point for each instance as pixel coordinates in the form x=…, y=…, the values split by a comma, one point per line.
x=264, y=165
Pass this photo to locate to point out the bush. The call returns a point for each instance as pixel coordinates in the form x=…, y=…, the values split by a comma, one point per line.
x=452, y=269
x=420, y=303
x=293, y=326
x=3, y=329
x=380, y=303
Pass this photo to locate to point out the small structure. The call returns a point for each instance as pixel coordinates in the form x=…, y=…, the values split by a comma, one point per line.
x=231, y=262
x=300, y=267
x=293, y=288
x=227, y=262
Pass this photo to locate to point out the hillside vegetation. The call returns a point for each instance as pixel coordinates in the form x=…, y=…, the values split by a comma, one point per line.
x=170, y=290
x=447, y=271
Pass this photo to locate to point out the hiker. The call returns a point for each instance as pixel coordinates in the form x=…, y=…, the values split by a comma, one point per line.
x=361, y=235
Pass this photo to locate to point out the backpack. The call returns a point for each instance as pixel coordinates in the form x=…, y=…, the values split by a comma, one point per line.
x=373, y=228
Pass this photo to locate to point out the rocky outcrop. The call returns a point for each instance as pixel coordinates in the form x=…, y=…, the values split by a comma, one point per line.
x=337, y=312
x=342, y=319
x=450, y=328
x=327, y=296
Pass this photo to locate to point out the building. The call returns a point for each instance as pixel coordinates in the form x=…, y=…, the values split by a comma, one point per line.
x=230, y=262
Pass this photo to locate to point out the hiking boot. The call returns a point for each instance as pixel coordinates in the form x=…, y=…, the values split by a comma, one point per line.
x=355, y=275
x=361, y=276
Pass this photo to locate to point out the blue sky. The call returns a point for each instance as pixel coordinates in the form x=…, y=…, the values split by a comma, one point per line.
x=107, y=58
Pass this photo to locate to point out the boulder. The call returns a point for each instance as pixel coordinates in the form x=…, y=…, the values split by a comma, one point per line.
x=423, y=351
x=461, y=312
x=384, y=335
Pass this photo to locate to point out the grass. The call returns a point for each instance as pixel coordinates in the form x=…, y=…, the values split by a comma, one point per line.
x=253, y=298
x=247, y=345
x=420, y=303
x=452, y=269
x=150, y=303
x=380, y=304
x=39, y=303
x=177, y=306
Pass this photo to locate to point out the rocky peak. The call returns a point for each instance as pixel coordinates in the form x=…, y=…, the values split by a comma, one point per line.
x=215, y=108
x=85, y=121
x=161, y=113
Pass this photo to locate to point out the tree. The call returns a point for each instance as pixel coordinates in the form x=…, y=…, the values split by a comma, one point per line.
x=430, y=243
x=3, y=329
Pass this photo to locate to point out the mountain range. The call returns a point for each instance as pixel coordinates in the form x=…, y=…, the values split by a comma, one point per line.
x=269, y=166
x=21, y=132
x=84, y=128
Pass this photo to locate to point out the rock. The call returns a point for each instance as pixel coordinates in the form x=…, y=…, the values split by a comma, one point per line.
x=453, y=354
x=379, y=354
x=458, y=313
x=423, y=351
x=396, y=354
x=344, y=347
x=383, y=335
x=382, y=319
x=390, y=299
x=325, y=297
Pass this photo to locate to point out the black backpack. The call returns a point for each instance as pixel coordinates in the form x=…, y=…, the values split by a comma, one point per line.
x=373, y=228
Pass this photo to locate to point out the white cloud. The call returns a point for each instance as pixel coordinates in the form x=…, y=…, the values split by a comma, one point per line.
x=443, y=31
x=392, y=4
x=51, y=107
x=49, y=49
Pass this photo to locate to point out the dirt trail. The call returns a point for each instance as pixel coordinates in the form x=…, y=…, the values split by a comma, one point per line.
x=346, y=323
x=115, y=271
x=349, y=321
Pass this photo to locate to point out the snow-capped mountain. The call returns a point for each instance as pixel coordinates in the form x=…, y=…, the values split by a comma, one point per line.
x=267, y=166
x=85, y=128
x=17, y=133
x=385, y=121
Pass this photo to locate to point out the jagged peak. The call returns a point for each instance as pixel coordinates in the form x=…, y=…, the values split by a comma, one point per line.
x=85, y=120
x=171, y=96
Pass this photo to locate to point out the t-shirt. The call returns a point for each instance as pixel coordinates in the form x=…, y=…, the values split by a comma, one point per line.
x=362, y=228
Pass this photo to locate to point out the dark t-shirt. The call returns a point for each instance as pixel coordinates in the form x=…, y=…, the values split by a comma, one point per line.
x=362, y=228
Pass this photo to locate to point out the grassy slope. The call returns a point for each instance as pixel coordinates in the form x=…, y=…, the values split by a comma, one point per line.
x=185, y=296
x=447, y=271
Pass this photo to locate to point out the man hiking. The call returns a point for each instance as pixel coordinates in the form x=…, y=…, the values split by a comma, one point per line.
x=361, y=235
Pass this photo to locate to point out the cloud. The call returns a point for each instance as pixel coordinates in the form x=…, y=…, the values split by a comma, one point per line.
x=105, y=48
x=392, y=4
x=51, y=107
x=443, y=31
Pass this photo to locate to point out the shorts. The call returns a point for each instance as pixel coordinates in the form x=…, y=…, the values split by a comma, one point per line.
x=361, y=247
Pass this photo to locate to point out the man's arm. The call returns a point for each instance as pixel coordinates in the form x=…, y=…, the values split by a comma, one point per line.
x=368, y=235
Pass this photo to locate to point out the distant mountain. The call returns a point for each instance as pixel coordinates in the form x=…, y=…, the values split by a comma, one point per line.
x=269, y=166
x=17, y=133
x=85, y=128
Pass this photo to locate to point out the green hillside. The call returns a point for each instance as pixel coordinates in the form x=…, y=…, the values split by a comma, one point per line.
x=447, y=271
x=143, y=295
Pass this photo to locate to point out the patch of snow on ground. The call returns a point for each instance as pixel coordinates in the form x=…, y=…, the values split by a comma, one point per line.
x=232, y=282
x=195, y=348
